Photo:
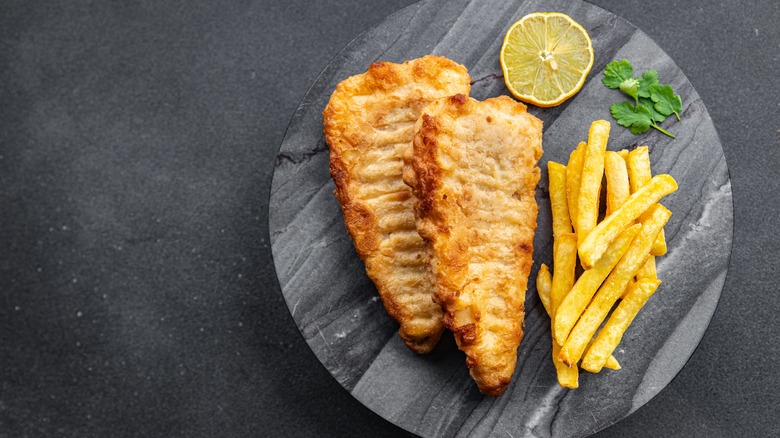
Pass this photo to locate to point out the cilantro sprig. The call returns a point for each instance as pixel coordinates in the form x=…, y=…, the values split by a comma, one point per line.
x=637, y=117
x=653, y=102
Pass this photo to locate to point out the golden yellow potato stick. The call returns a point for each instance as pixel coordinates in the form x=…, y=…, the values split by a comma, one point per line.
x=618, y=189
x=617, y=181
x=638, y=163
x=648, y=269
x=614, y=285
x=565, y=254
x=609, y=337
x=558, y=203
x=590, y=181
x=544, y=286
x=629, y=285
x=597, y=241
x=577, y=300
x=639, y=174
x=568, y=377
x=610, y=363
x=573, y=175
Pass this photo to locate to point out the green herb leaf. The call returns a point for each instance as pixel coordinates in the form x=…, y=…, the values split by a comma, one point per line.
x=638, y=118
x=665, y=101
x=616, y=72
x=655, y=115
x=630, y=116
x=630, y=87
x=653, y=102
x=648, y=79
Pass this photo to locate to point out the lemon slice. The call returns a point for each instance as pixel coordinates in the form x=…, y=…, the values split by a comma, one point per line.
x=546, y=57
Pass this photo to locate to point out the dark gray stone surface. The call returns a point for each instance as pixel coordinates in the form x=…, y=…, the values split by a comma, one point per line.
x=338, y=310
x=116, y=114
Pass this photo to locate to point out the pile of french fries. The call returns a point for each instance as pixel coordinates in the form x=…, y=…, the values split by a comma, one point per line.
x=617, y=254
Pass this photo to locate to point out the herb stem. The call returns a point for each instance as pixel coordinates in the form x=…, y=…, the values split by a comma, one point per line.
x=663, y=130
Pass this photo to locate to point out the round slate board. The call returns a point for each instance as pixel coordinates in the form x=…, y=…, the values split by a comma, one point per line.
x=337, y=308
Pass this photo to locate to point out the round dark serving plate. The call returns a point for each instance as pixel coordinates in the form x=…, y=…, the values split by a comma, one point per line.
x=336, y=306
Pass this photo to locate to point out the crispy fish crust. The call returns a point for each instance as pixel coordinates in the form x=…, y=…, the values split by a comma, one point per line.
x=472, y=167
x=369, y=122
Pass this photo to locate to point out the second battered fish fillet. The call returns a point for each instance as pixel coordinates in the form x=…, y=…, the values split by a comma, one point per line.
x=472, y=167
x=369, y=122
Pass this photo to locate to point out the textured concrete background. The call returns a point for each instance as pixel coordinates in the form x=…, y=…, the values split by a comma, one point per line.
x=137, y=293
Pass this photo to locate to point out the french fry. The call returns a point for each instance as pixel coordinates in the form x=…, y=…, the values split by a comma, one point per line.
x=614, y=285
x=590, y=181
x=639, y=172
x=544, y=286
x=573, y=176
x=565, y=254
x=630, y=285
x=647, y=270
x=597, y=241
x=567, y=376
x=618, y=188
x=617, y=181
x=609, y=337
x=577, y=300
x=638, y=163
x=560, y=209
x=611, y=363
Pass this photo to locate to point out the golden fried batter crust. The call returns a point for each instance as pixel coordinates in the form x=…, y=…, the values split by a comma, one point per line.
x=472, y=167
x=369, y=122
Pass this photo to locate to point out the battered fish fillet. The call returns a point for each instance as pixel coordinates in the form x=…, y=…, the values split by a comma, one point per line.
x=369, y=122
x=472, y=167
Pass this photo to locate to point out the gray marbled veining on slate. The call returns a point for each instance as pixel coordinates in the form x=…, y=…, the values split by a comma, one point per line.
x=337, y=309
